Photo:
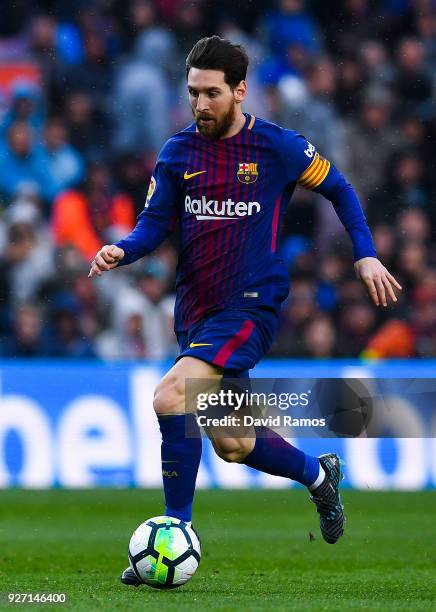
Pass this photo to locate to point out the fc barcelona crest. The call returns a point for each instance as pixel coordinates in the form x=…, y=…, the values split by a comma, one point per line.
x=247, y=173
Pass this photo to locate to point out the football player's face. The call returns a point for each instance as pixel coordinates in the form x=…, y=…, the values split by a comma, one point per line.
x=213, y=101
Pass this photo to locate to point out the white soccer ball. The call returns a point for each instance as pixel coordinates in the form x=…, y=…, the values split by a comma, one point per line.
x=164, y=552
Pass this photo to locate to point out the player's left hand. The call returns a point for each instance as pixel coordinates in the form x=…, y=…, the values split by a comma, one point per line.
x=378, y=280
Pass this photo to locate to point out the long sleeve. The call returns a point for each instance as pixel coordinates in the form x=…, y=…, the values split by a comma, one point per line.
x=347, y=206
x=307, y=168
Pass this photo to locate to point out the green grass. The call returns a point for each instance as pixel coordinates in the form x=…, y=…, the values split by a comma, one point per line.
x=256, y=551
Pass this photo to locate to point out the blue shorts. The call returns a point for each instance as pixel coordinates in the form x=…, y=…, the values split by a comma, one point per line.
x=234, y=340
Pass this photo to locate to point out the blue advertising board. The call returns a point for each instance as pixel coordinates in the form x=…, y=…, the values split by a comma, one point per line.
x=87, y=424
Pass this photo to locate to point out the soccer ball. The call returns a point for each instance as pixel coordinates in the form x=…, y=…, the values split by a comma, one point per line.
x=164, y=552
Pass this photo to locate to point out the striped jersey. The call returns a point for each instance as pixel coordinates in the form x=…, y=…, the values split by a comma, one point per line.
x=228, y=197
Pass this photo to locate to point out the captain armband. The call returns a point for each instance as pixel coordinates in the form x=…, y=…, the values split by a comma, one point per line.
x=314, y=175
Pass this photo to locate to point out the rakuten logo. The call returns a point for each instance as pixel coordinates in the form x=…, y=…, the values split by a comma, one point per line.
x=205, y=209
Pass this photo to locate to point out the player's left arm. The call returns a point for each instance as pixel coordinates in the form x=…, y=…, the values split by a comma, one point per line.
x=319, y=175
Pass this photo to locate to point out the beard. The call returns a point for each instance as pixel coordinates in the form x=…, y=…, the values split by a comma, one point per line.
x=215, y=128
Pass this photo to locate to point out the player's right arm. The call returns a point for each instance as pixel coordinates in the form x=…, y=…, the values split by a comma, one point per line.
x=154, y=223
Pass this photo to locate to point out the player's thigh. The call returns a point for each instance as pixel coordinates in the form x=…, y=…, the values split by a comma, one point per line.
x=170, y=393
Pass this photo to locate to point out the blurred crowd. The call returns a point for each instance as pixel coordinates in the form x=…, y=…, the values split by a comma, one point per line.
x=89, y=91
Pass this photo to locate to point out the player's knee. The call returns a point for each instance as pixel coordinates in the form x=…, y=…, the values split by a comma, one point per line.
x=169, y=396
x=232, y=450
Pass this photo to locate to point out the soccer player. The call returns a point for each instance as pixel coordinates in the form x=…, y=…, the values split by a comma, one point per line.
x=226, y=181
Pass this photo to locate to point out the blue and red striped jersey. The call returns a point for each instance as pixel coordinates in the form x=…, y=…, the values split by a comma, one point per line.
x=228, y=197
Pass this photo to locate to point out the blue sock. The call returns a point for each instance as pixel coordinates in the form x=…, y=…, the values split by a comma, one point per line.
x=180, y=460
x=274, y=455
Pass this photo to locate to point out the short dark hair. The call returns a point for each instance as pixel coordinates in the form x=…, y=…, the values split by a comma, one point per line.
x=215, y=53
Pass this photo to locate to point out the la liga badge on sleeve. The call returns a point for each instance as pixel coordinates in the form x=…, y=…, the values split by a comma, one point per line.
x=151, y=190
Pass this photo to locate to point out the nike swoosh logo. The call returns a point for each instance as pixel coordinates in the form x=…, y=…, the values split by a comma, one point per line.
x=187, y=176
x=195, y=344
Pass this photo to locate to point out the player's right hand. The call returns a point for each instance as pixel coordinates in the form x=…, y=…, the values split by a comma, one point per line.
x=106, y=259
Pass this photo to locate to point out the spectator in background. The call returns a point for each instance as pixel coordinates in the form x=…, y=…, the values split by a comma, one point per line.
x=290, y=24
x=375, y=63
x=292, y=64
x=414, y=133
x=412, y=83
x=412, y=263
x=350, y=21
x=138, y=16
x=132, y=336
x=332, y=272
x=27, y=107
x=384, y=237
x=414, y=224
x=68, y=338
x=90, y=313
x=87, y=126
x=299, y=308
x=314, y=111
x=22, y=164
x=404, y=186
x=153, y=43
x=357, y=321
x=351, y=79
x=319, y=338
x=190, y=21
x=64, y=163
x=28, y=257
x=291, y=39
x=43, y=47
x=94, y=73
x=92, y=216
x=371, y=139
x=148, y=334
x=133, y=178
x=140, y=103
x=28, y=338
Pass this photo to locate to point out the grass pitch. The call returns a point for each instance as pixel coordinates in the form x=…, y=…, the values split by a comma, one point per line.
x=257, y=553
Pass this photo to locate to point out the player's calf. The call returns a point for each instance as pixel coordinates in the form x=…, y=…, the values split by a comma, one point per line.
x=232, y=450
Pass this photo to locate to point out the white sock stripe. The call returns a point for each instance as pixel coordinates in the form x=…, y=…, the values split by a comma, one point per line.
x=320, y=478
